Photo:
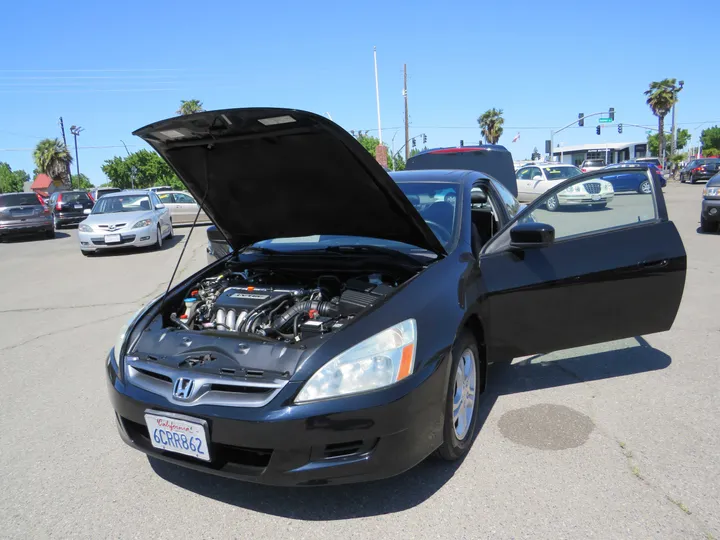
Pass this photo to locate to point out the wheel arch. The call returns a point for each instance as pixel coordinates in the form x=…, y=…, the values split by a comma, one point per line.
x=474, y=325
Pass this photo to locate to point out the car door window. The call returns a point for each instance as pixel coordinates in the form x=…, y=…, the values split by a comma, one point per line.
x=524, y=174
x=183, y=198
x=590, y=206
x=535, y=171
x=166, y=198
x=511, y=204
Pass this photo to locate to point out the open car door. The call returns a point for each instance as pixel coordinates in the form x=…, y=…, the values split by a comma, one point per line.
x=604, y=266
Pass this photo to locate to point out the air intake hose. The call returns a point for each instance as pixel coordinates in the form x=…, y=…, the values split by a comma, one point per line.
x=323, y=308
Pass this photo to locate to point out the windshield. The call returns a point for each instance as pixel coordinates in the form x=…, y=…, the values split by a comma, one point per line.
x=110, y=204
x=435, y=201
x=20, y=199
x=560, y=173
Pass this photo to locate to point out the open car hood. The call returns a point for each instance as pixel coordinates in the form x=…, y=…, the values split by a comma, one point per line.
x=276, y=173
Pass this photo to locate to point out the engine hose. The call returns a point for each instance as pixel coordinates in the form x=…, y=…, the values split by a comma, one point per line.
x=256, y=311
x=323, y=308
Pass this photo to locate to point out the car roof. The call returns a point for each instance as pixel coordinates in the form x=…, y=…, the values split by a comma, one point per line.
x=133, y=192
x=547, y=164
x=447, y=176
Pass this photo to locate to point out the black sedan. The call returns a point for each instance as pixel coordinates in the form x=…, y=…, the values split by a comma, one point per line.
x=710, y=213
x=699, y=169
x=347, y=335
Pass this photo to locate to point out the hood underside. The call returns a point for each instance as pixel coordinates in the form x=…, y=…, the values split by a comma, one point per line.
x=277, y=173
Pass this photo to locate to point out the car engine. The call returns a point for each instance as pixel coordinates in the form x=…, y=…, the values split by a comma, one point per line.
x=261, y=304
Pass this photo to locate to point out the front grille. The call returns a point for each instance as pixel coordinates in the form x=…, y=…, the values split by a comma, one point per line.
x=124, y=239
x=592, y=187
x=222, y=454
x=114, y=227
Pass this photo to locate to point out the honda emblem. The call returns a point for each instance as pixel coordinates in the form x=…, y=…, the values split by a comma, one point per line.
x=183, y=388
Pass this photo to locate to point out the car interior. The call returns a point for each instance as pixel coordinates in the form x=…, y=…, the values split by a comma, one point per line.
x=484, y=219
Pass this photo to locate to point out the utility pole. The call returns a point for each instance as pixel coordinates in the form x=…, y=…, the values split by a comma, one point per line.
x=377, y=96
x=407, y=124
x=62, y=128
x=673, y=130
x=133, y=171
x=75, y=130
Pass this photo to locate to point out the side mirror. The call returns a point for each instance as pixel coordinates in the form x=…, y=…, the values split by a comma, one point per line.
x=531, y=234
x=478, y=196
x=159, y=206
x=537, y=177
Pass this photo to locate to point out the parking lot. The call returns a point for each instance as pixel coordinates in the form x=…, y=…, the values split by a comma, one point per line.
x=618, y=440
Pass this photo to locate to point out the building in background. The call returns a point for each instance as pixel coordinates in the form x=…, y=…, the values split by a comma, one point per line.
x=44, y=186
x=610, y=152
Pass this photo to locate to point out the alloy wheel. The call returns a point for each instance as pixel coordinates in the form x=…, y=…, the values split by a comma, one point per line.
x=464, y=394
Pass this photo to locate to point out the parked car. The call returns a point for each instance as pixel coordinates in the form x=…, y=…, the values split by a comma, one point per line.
x=99, y=192
x=700, y=169
x=347, y=336
x=590, y=165
x=633, y=181
x=70, y=207
x=491, y=159
x=535, y=179
x=24, y=213
x=217, y=246
x=651, y=160
x=131, y=218
x=183, y=207
x=158, y=189
x=710, y=214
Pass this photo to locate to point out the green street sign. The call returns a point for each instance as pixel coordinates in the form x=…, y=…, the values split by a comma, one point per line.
x=604, y=120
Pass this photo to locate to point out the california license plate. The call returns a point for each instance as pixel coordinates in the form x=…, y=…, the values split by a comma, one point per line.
x=596, y=197
x=112, y=238
x=78, y=207
x=178, y=433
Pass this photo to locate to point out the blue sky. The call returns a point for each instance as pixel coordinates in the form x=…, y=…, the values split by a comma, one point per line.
x=114, y=67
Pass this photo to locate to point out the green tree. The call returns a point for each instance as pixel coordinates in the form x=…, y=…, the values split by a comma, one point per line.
x=653, y=141
x=11, y=181
x=710, y=138
x=491, y=125
x=661, y=96
x=52, y=157
x=190, y=106
x=146, y=168
x=80, y=181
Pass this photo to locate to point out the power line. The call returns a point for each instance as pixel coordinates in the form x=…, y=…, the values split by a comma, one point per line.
x=79, y=147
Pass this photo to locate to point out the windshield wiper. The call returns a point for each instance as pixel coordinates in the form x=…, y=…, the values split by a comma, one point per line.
x=373, y=250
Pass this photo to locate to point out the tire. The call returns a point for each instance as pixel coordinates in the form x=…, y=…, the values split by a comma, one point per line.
x=682, y=179
x=645, y=188
x=170, y=232
x=692, y=179
x=87, y=253
x=459, y=429
x=159, y=241
x=56, y=225
x=552, y=204
x=708, y=226
x=50, y=234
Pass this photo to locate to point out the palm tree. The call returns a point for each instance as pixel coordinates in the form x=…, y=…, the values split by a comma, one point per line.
x=491, y=123
x=52, y=157
x=662, y=95
x=190, y=106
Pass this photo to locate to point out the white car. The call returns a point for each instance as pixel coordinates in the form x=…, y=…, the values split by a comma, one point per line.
x=132, y=218
x=536, y=178
x=590, y=165
x=183, y=207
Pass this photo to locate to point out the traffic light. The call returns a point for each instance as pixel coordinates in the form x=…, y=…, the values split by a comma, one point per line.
x=611, y=114
x=597, y=130
x=413, y=143
x=581, y=119
x=462, y=143
x=547, y=147
x=424, y=139
x=619, y=128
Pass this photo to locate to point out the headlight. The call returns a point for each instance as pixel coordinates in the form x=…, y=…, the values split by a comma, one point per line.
x=377, y=362
x=577, y=188
x=84, y=228
x=606, y=186
x=712, y=191
x=142, y=223
x=120, y=341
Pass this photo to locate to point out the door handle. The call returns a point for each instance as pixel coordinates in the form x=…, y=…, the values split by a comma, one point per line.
x=645, y=265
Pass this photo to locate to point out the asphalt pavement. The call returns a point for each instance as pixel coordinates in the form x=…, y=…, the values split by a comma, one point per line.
x=618, y=440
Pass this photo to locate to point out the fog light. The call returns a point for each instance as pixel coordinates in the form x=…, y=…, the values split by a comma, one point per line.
x=713, y=211
x=144, y=238
x=84, y=243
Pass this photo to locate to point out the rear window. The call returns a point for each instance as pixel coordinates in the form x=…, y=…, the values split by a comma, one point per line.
x=20, y=199
x=593, y=163
x=75, y=197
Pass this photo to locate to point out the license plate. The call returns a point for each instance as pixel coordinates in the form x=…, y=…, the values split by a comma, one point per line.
x=78, y=207
x=112, y=238
x=596, y=197
x=87, y=210
x=179, y=434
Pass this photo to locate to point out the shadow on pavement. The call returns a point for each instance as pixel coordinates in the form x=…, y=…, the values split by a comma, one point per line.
x=420, y=483
x=38, y=237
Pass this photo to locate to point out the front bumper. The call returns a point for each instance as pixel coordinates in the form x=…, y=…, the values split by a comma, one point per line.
x=585, y=199
x=711, y=209
x=143, y=237
x=300, y=445
x=12, y=228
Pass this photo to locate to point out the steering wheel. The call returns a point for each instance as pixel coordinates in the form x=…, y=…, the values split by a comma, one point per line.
x=441, y=232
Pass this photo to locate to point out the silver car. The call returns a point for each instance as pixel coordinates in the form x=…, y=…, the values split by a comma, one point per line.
x=132, y=218
x=24, y=213
x=183, y=207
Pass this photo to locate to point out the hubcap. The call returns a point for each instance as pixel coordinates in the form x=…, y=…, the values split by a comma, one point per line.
x=464, y=394
x=552, y=202
x=645, y=187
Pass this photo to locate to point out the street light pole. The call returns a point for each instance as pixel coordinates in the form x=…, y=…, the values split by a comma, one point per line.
x=75, y=130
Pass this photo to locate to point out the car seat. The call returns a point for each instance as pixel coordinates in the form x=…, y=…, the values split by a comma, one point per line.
x=145, y=205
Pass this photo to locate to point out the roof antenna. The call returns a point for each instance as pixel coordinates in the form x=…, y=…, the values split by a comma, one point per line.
x=200, y=206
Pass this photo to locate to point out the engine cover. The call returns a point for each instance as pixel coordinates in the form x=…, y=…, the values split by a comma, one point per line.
x=248, y=298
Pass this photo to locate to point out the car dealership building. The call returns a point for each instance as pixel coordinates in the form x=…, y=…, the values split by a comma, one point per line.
x=610, y=152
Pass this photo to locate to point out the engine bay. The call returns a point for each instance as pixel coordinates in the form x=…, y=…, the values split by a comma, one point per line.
x=278, y=306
